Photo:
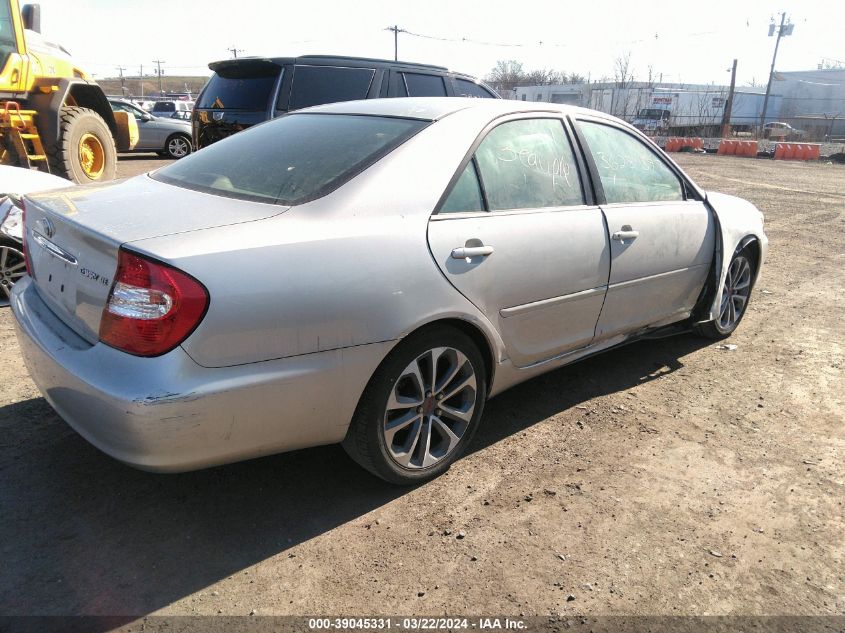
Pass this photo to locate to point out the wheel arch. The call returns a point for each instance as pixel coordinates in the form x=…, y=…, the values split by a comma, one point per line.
x=474, y=332
x=713, y=284
x=752, y=243
x=69, y=92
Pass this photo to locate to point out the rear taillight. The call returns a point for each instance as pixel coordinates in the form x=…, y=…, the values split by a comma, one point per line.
x=26, y=256
x=152, y=307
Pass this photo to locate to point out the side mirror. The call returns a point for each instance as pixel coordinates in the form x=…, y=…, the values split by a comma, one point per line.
x=31, y=14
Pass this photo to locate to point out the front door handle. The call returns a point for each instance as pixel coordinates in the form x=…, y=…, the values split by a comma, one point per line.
x=625, y=234
x=465, y=252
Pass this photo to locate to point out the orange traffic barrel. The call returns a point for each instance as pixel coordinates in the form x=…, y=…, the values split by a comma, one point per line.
x=815, y=152
x=779, y=151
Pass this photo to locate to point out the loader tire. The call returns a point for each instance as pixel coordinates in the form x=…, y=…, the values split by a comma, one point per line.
x=84, y=151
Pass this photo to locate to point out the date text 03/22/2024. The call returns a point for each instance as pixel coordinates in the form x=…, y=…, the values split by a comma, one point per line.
x=416, y=624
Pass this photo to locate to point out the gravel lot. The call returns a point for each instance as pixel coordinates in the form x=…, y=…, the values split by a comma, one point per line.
x=669, y=477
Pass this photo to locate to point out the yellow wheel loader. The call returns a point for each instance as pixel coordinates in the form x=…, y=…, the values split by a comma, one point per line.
x=53, y=116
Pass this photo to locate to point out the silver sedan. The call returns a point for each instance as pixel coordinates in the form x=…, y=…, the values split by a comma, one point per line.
x=367, y=273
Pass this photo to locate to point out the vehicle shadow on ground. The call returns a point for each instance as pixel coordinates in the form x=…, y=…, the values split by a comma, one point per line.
x=82, y=534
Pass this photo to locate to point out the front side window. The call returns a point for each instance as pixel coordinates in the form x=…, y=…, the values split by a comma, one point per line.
x=292, y=159
x=629, y=171
x=316, y=85
x=8, y=44
x=529, y=164
x=418, y=85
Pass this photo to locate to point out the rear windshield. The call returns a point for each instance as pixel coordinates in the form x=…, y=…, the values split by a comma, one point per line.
x=292, y=159
x=248, y=91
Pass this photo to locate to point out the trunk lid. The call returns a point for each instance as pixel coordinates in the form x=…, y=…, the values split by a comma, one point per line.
x=73, y=236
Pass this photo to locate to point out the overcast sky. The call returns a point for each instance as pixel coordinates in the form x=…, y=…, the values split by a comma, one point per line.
x=682, y=40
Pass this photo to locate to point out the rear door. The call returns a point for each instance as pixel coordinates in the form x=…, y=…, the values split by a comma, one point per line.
x=661, y=236
x=518, y=235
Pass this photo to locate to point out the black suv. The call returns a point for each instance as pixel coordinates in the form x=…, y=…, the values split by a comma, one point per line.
x=249, y=90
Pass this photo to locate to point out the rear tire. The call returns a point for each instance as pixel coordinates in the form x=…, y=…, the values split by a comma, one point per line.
x=736, y=293
x=85, y=150
x=177, y=146
x=421, y=407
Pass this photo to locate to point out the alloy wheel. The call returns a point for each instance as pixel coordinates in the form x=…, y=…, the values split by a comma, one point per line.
x=430, y=408
x=735, y=292
x=178, y=147
x=12, y=268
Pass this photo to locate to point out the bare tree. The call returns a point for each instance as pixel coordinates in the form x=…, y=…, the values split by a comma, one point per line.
x=506, y=75
x=623, y=73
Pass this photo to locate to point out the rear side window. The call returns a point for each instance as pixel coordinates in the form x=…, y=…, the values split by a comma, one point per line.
x=292, y=159
x=315, y=85
x=628, y=169
x=419, y=85
x=466, y=195
x=470, y=89
x=246, y=91
x=529, y=164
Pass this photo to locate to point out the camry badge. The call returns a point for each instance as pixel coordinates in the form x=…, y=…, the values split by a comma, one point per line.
x=47, y=228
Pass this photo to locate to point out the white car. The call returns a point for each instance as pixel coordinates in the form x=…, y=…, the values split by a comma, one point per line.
x=14, y=182
x=366, y=272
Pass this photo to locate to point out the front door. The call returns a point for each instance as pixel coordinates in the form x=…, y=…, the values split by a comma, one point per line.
x=661, y=240
x=515, y=237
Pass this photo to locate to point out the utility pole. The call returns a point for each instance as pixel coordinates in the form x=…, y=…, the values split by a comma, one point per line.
x=159, y=62
x=141, y=75
x=729, y=104
x=120, y=69
x=234, y=50
x=782, y=31
x=396, y=31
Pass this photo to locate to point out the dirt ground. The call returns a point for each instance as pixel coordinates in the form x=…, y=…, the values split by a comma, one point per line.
x=669, y=477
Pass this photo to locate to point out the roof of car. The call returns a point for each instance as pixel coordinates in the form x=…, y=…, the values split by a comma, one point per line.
x=332, y=60
x=433, y=108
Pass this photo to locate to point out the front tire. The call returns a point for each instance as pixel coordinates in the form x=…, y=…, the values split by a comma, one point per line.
x=736, y=292
x=421, y=407
x=85, y=149
x=177, y=146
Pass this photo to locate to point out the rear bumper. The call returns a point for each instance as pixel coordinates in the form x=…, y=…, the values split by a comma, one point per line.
x=169, y=414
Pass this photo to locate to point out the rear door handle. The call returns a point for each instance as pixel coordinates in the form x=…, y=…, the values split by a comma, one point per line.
x=621, y=236
x=465, y=252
